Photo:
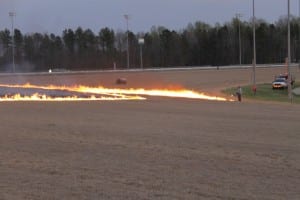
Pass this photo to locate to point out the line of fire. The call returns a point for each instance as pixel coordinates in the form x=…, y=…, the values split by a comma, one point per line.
x=29, y=92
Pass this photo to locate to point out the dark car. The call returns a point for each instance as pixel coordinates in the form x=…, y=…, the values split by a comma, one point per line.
x=121, y=81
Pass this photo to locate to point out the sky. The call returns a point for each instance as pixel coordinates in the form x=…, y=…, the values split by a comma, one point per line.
x=53, y=16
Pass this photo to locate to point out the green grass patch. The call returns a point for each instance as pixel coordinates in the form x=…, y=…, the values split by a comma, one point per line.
x=265, y=93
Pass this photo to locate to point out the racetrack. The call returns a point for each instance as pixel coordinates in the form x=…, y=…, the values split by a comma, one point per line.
x=161, y=148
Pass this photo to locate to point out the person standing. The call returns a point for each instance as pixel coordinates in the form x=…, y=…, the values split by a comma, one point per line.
x=254, y=89
x=239, y=93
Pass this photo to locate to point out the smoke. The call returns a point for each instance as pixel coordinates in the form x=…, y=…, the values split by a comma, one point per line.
x=22, y=67
x=5, y=7
x=25, y=66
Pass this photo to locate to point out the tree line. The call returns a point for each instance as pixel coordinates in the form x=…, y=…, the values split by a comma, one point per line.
x=199, y=44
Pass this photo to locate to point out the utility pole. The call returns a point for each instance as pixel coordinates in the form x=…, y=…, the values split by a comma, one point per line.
x=254, y=48
x=126, y=16
x=289, y=56
x=299, y=34
x=141, y=42
x=12, y=15
x=238, y=16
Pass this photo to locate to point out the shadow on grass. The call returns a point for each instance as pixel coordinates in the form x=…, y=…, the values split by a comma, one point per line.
x=265, y=93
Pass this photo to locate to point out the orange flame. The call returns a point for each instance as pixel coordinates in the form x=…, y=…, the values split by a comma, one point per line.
x=43, y=97
x=101, y=93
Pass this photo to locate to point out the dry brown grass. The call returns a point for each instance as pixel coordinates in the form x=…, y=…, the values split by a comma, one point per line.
x=156, y=149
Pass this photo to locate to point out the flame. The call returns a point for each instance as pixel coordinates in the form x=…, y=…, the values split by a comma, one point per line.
x=43, y=97
x=84, y=93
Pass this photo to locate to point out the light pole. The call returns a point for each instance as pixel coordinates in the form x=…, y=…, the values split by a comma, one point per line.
x=141, y=42
x=299, y=35
x=254, y=48
x=289, y=56
x=127, y=19
x=238, y=16
x=12, y=15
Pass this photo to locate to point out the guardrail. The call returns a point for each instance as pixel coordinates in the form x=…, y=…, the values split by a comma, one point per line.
x=182, y=68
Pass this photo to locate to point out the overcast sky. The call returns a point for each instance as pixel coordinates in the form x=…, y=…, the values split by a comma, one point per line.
x=53, y=16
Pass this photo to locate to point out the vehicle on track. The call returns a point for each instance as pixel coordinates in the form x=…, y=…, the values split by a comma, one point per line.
x=279, y=83
x=121, y=81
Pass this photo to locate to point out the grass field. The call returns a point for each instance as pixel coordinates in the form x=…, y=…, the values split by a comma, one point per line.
x=266, y=93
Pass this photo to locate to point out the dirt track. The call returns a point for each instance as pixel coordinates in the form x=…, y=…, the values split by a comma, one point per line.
x=156, y=149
